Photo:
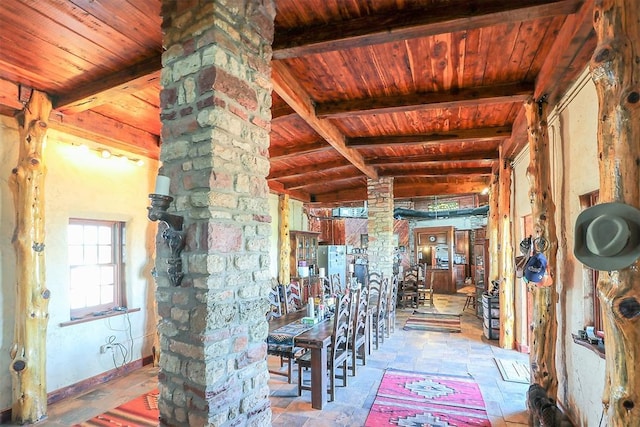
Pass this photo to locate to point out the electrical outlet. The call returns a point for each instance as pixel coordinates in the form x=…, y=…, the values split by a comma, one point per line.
x=105, y=347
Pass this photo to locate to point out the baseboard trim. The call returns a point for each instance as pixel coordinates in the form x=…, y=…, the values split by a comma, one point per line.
x=89, y=383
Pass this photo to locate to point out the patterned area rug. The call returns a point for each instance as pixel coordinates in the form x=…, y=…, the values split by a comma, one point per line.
x=420, y=399
x=139, y=412
x=437, y=322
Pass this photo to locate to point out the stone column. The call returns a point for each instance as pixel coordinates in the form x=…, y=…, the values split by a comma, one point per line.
x=380, y=225
x=215, y=107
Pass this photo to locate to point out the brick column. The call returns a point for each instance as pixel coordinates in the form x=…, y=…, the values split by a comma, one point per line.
x=380, y=225
x=215, y=107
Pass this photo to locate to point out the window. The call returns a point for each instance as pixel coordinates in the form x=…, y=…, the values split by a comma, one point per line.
x=96, y=266
x=586, y=201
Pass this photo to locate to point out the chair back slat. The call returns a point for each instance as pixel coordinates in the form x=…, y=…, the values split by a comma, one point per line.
x=294, y=297
x=360, y=318
x=341, y=327
x=336, y=286
x=275, y=304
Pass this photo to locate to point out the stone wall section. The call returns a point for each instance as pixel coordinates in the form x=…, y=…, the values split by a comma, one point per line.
x=380, y=225
x=215, y=110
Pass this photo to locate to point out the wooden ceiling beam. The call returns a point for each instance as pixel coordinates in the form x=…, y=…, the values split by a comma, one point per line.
x=278, y=188
x=432, y=172
x=460, y=98
x=104, y=130
x=425, y=189
x=333, y=176
x=435, y=138
x=487, y=156
x=283, y=153
x=297, y=97
x=281, y=112
x=345, y=195
x=569, y=55
x=412, y=23
x=10, y=96
x=315, y=167
x=126, y=81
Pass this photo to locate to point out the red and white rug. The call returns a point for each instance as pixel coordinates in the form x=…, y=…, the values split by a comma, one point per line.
x=437, y=322
x=423, y=399
x=139, y=412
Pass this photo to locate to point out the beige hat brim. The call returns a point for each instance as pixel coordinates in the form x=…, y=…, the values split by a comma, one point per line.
x=627, y=256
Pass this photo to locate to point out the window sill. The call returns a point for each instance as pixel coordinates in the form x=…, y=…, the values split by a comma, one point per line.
x=593, y=347
x=92, y=317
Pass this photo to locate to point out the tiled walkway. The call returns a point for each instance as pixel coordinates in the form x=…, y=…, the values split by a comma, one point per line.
x=454, y=353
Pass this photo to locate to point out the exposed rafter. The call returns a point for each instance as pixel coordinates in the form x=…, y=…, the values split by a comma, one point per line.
x=281, y=153
x=467, y=97
x=436, y=138
x=108, y=88
x=297, y=97
x=488, y=156
x=412, y=23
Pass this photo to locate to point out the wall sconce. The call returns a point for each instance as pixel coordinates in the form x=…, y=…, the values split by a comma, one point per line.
x=173, y=234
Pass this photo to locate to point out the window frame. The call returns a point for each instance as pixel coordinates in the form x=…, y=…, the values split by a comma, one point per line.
x=118, y=256
x=586, y=201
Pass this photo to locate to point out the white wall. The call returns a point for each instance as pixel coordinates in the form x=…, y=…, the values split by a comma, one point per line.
x=573, y=142
x=79, y=185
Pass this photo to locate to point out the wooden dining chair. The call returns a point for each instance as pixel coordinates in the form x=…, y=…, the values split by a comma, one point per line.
x=335, y=284
x=410, y=287
x=391, y=305
x=275, y=304
x=327, y=286
x=374, y=280
x=359, y=342
x=379, y=315
x=287, y=354
x=425, y=290
x=294, y=297
x=338, y=352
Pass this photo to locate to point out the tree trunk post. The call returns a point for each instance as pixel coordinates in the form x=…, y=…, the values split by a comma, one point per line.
x=545, y=326
x=615, y=70
x=506, y=295
x=284, y=275
x=28, y=352
x=492, y=231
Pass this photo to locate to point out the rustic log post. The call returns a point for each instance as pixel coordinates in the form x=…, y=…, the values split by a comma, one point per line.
x=492, y=231
x=544, y=329
x=28, y=352
x=615, y=71
x=507, y=292
x=284, y=274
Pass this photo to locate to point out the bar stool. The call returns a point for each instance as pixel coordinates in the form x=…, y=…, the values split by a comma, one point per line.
x=471, y=301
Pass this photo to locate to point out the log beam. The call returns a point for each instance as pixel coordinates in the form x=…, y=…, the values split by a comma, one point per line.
x=545, y=325
x=28, y=352
x=492, y=231
x=615, y=71
x=284, y=273
x=507, y=286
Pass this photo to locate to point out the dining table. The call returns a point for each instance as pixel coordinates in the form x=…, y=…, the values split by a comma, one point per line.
x=316, y=340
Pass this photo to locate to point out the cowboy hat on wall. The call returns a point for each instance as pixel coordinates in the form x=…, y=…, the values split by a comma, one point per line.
x=607, y=236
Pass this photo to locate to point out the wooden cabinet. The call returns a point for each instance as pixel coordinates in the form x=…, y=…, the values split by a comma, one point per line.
x=460, y=273
x=304, y=250
x=462, y=243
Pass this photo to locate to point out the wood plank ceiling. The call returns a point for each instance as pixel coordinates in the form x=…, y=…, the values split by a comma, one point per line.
x=425, y=91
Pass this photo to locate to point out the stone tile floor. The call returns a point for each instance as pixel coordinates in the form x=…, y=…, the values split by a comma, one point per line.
x=423, y=351
x=455, y=353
